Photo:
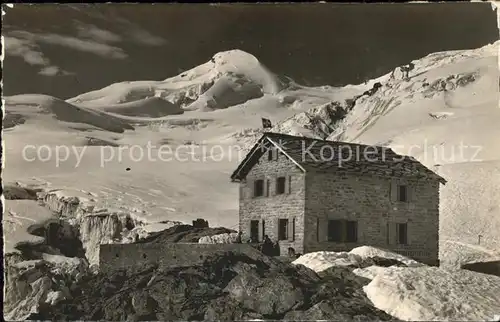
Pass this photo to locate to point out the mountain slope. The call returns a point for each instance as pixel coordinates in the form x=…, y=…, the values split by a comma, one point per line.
x=446, y=115
x=47, y=109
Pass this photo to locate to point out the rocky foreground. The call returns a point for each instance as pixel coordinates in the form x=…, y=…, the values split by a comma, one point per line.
x=44, y=281
x=225, y=287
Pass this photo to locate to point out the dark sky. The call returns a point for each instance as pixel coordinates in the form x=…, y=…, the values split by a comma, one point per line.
x=315, y=44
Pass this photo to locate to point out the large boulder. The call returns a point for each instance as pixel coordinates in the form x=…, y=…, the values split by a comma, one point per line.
x=35, y=296
x=30, y=284
x=268, y=296
x=227, y=309
x=326, y=310
x=144, y=305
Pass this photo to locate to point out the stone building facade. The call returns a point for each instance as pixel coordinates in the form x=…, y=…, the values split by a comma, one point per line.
x=293, y=192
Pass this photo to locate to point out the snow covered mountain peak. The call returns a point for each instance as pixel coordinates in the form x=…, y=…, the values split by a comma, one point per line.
x=232, y=62
x=235, y=57
x=229, y=78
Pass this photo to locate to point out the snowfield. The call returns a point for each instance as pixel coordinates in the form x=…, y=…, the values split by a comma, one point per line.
x=20, y=218
x=89, y=141
x=417, y=292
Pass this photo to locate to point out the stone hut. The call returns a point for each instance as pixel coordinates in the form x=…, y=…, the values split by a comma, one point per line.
x=313, y=195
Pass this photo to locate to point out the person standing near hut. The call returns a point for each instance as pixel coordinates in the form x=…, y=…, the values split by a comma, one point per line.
x=238, y=238
x=267, y=246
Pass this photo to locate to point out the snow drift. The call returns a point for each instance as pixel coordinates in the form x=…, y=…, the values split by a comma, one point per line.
x=434, y=294
x=320, y=261
x=416, y=292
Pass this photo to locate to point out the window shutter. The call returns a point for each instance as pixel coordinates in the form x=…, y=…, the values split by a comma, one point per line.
x=288, y=184
x=387, y=233
x=317, y=229
x=351, y=231
x=262, y=229
x=394, y=191
x=248, y=230
x=266, y=187
x=323, y=229
x=395, y=235
x=391, y=233
x=411, y=197
x=276, y=229
x=291, y=229
x=249, y=193
x=343, y=224
x=407, y=234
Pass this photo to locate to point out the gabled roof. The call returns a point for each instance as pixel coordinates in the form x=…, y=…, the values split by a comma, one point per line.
x=313, y=155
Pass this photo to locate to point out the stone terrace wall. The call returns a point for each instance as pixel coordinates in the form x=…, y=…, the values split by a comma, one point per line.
x=134, y=256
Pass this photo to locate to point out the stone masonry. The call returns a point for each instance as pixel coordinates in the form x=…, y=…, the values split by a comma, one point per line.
x=314, y=197
x=367, y=200
x=134, y=257
x=268, y=209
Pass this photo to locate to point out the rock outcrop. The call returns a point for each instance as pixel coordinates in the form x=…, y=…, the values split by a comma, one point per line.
x=226, y=238
x=185, y=234
x=32, y=284
x=224, y=287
